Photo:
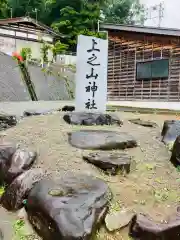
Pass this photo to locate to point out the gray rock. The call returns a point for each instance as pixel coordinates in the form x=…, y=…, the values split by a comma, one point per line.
x=111, y=163
x=29, y=113
x=18, y=190
x=143, y=123
x=20, y=161
x=101, y=139
x=175, y=156
x=171, y=130
x=143, y=228
x=89, y=119
x=6, y=152
x=118, y=220
x=7, y=121
x=68, y=208
x=67, y=108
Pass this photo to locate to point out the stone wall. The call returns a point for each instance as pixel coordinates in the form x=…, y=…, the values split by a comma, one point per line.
x=47, y=87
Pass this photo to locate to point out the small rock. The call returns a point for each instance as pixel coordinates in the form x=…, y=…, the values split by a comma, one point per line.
x=7, y=121
x=118, y=220
x=29, y=113
x=111, y=163
x=143, y=123
x=67, y=108
x=89, y=119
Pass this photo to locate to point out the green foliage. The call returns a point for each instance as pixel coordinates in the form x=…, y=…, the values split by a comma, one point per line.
x=26, y=53
x=75, y=17
x=58, y=48
x=19, y=231
x=124, y=12
x=44, y=51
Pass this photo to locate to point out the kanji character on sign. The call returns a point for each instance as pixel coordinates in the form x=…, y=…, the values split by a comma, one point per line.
x=92, y=88
x=92, y=74
x=93, y=46
x=92, y=59
x=90, y=104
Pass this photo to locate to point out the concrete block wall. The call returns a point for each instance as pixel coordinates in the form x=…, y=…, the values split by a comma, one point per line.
x=47, y=87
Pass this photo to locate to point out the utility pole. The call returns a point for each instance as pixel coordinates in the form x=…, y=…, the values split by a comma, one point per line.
x=155, y=12
x=11, y=12
x=161, y=13
x=36, y=11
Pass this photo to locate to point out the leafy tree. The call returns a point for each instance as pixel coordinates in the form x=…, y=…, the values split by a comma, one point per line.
x=124, y=12
x=4, y=8
x=26, y=7
x=72, y=23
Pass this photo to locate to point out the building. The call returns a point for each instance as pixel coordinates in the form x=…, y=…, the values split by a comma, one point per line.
x=24, y=32
x=143, y=63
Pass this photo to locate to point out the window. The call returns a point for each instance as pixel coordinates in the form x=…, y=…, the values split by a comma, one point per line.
x=152, y=69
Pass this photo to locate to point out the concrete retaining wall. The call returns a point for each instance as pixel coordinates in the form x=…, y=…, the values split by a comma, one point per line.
x=47, y=87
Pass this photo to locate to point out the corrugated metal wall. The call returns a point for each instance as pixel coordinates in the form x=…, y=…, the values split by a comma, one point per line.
x=125, y=50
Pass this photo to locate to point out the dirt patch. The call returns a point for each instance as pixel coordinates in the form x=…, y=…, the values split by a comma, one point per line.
x=154, y=185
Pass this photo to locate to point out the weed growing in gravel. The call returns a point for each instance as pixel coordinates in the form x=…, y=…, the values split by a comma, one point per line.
x=20, y=231
x=2, y=189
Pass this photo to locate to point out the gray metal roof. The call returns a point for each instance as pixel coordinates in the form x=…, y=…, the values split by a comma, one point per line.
x=141, y=29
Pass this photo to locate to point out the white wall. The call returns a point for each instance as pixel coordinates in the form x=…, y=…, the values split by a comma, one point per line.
x=9, y=45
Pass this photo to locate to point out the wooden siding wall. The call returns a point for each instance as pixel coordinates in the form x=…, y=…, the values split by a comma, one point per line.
x=125, y=50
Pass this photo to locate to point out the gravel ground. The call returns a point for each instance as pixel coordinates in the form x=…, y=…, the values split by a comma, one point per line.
x=152, y=187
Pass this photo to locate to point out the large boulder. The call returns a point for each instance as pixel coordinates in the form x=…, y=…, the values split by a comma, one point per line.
x=69, y=208
x=111, y=163
x=7, y=121
x=101, y=139
x=143, y=123
x=89, y=119
x=175, y=156
x=170, y=131
x=18, y=190
x=143, y=228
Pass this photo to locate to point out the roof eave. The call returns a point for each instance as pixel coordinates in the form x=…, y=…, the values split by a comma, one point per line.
x=140, y=29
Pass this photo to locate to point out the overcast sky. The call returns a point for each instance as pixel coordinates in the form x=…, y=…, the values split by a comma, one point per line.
x=171, y=13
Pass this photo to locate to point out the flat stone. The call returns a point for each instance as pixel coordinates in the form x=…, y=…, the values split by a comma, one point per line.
x=143, y=228
x=89, y=119
x=170, y=131
x=101, y=140
x=118, y=220
x=68, y=208
x=29, y=113
x=143, y=123
x=111, y=163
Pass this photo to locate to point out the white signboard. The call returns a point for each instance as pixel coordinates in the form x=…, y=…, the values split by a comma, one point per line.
x=91, y=74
